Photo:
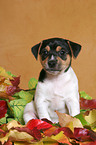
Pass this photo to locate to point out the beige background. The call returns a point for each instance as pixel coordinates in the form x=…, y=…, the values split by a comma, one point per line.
x=23, y=23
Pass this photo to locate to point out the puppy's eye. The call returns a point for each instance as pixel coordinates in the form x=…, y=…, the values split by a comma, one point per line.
x=45, y=52
x=62, y=52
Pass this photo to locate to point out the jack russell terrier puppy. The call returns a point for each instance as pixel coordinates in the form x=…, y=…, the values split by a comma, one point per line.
x=57, y=87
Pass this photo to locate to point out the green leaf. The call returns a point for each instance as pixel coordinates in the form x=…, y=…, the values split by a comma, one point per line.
x=32, y=83
x=10, y=119
x=81, y=118
x=26, y=96
x=18, y=108
x=3, y=120
x=10, y=74
x=85, y=96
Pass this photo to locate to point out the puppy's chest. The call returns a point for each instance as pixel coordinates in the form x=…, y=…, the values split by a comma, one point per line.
x=56, y=88
x=54, y=93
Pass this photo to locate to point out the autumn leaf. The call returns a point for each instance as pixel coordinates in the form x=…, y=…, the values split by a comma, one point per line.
x=15, y=135
x=8, y=142
x=12, y=124
x=83, y=134
x=65, y=120
x=15, y=81
x=61, y=138
x=3, y=108
x=5, y=96
x=91, y=117
x=39, y=124
x=50, y=131
x=87, y=104
x=4, y=74
x=82, y=119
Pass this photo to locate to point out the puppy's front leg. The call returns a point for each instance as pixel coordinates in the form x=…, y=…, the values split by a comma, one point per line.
x=42, y=107
x=73, y=105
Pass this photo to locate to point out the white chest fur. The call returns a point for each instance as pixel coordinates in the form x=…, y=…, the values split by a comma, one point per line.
x=57, y=93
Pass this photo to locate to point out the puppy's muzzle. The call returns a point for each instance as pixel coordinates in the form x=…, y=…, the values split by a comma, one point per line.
x=52, y=63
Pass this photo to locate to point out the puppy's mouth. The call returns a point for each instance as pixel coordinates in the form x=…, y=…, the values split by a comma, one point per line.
x=54, y=70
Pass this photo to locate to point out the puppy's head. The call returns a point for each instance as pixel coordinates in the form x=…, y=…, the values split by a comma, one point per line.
x=56, y=53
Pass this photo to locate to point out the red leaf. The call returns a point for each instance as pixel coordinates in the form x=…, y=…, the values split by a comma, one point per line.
x=16, y=81
x=8, y=142
x=82, y=134
x=11, y=90
x=87, y=104
x=3, y=108
x=92, y=135
x=39, y=124
x=67, y=131
x=88, y=143
x=2, y=133
x=36, y=133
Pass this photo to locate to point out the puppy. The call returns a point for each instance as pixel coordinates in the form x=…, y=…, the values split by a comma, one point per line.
x=57, y=87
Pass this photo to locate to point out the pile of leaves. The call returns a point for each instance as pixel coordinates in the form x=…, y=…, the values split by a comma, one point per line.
x=78, y=130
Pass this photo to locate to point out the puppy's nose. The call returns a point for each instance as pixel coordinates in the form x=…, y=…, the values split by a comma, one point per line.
x=52, y=63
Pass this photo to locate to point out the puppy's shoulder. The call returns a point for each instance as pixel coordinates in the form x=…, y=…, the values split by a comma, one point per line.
x=42, y=75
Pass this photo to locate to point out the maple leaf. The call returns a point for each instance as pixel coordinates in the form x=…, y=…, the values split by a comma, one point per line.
x=3, y=108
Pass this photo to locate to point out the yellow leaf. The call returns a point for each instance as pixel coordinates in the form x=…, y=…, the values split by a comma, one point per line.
x=61, y=138
x=5, y=138
x=49, y=141
x=65, y=120
x=91, y=118
x=4, y=74
x=25, y=143
x=70, y=125
x=13, y=123
x=20, y=136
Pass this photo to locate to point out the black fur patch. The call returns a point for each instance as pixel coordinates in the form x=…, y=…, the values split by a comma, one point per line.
x=42, y=75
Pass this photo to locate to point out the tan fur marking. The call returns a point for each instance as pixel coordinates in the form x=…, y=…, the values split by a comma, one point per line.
x=58, y=48
x=64, y=63
x=47, y=48
x=44, y=62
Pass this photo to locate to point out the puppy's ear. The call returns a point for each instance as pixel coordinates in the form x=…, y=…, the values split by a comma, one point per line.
x=35, y=49
x=75, y=48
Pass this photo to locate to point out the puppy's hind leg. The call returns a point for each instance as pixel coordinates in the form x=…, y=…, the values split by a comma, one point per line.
x=29, y=112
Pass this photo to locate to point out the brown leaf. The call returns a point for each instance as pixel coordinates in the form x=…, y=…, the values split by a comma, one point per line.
x=65, y=120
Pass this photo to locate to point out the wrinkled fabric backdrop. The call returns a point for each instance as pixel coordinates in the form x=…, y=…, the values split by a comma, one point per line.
x=23, y=23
